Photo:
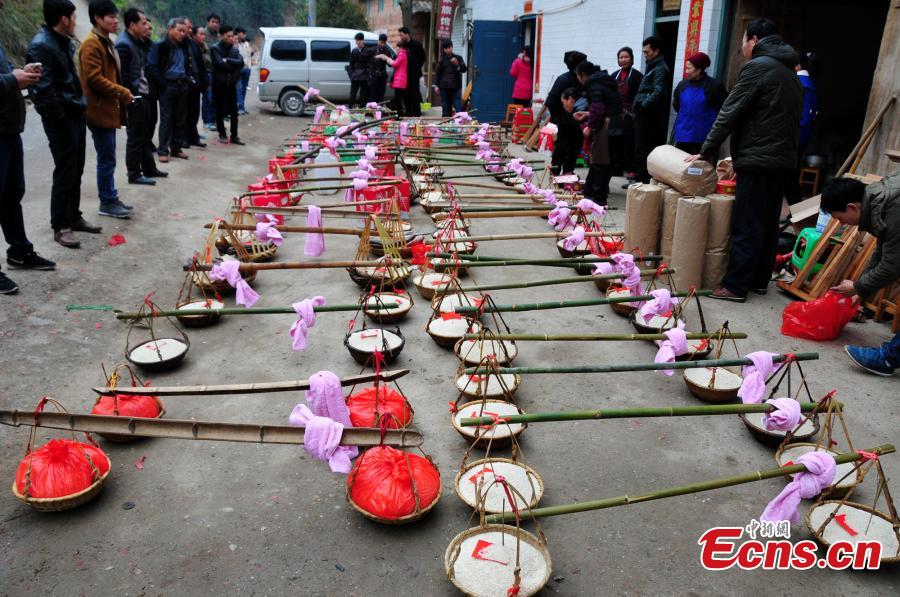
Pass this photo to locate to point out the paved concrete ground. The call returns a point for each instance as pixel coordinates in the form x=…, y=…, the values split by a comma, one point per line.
x=266, y=520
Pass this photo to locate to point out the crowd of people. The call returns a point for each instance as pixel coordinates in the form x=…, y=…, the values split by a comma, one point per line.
x=144, y=85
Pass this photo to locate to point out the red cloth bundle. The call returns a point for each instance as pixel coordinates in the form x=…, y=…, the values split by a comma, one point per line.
x=391, y=402
x=380, y=482
x=145, y=407
x=61, y=468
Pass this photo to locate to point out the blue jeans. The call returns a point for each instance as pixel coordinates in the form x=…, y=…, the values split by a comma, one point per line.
x=105, y=144
x=450, y=97
x=242, y=88
x=891, y=350
x=208, y=105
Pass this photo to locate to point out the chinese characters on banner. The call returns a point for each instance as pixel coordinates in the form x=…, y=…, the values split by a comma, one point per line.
x=445, y=19
x=695, y=18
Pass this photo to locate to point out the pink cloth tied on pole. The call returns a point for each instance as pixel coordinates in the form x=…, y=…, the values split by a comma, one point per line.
x=322, y=439
x=589, y=207
x=403, y=129
x=575, y=238
x=230, y=271
x=559, y=217
x=314, y=244
x=326, y=398
x=674, y=345
x=462, y=118
x=819, y=474
x=306, y=318
x=266, y=233
x=360, y=136
x=364, y=165
x=320, y=110
x=785, y=418
x=373, y=106
x=371, y=152
x=753, y=388
x=661, y=303
x=311, y=94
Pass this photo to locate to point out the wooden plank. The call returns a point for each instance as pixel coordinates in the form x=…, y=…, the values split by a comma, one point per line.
x=885, y=85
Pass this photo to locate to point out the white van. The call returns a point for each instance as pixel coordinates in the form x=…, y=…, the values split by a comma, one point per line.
x=307, y=56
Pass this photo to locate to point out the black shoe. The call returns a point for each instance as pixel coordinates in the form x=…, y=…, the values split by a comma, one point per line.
x=198, y=144
x=7, y=286
x=157, y=174
x=141, y=180
x=237, y=141
x=759, y=291
x=83, y=225
x=223, y=139
x=31, y=261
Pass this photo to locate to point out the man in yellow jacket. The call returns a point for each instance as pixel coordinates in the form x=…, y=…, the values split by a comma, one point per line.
x=107, y=100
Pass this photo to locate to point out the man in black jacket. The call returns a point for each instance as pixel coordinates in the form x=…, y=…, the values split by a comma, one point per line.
x=450, y=69
x=378, y=69
x=196, y=86
x=60, y=101
x=227, y=65
x=169, y=66
x=651, y=107
x=604, y=115
x=762, y=115
x=569, y=137
x=415, y=60
x=358, y=70
x=139, y=160
x=12, y=169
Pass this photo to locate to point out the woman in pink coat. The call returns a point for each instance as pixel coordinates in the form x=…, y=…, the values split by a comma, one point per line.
x=521, y=71
x=399, y=82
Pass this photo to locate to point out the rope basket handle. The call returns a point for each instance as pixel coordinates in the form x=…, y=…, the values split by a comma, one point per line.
x=29, y=450
x=112, y=380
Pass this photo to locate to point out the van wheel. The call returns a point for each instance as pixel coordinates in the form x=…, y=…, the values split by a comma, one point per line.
x=291, y=103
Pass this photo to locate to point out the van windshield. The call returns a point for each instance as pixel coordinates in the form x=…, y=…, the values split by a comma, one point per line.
x=330, y=51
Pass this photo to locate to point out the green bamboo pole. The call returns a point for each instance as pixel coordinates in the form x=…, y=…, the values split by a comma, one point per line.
x=641, y=412
x=606, y=337
x=322, y=230
x=304, y=166
x=255, y=267
x=625, y=500
x=552, y=281
x=245, y=311
x=626, y=367
x=473, y=259
x=336, y=187
x=571, y=304
x=504, y=174
x=538, y=235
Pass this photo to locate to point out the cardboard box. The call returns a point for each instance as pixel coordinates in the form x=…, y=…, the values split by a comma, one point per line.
x=805, y=213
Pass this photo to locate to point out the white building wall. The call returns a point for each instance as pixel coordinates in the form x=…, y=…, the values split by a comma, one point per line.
x=596, y=27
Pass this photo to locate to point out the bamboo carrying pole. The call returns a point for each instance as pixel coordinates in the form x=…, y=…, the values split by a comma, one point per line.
x=779, y=358
x=245, y=311
x=668, y=492
x=554, y=281
x=537, y=235
x=293, y=385
x=323, y=230
x=640, y=412
x=472, y=260
x=606, y=337
x=570, y=304
x=255, y=267
x=201, y=430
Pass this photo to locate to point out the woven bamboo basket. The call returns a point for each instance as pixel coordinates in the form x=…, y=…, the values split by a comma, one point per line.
x=497, y=436
x=447, y=332
x=66, y=502
x=386, y=278
x=616, y=291
x=256, y=251
x=459, y=557
x=869, y=524
x=492, y=497
x=473, y=351
x=723, y=388
x=409, y=518
x=199, y=321
x=807, y=432
x=431, y=283
x=374, y=311
x=842, y=486
x=492, y=386
x=580, y=250
x=363, y=344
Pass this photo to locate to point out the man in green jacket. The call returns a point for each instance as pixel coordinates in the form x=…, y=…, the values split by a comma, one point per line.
x=762, y=115
x=875, y=209
x=651, y=107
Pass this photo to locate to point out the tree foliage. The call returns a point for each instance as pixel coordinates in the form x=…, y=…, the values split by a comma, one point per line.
x=19, y=21
x=346, y=14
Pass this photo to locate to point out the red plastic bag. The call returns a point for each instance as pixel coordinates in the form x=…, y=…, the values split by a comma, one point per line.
x=60, y=468
x=145, y=407
x=819, y=319
x=390, y=402
x=380, y=483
